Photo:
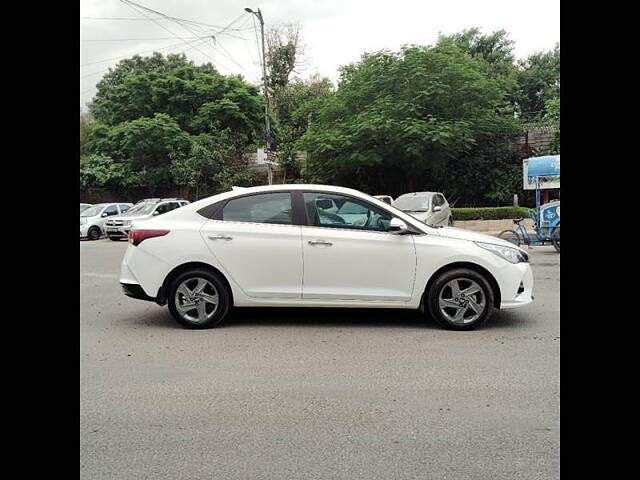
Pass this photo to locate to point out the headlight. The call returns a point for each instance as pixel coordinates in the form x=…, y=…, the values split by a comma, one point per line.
x=512, y=255
x=126, y=224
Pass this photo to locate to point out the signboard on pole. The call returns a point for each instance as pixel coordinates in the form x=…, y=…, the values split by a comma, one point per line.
x=267, y=156
x=546, y=169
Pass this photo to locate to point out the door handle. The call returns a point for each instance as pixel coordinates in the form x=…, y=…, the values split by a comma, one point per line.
x=219, y=237
x=320, y=242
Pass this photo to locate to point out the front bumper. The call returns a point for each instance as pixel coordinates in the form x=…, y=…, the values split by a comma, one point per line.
x=517, y=290
x=119, y=231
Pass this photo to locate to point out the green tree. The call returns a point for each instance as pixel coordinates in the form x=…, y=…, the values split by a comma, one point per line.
x=153, y=110
x=87, y=124
x=538, y=82
x=102, y=171
x=398, y=121
x=210, y=165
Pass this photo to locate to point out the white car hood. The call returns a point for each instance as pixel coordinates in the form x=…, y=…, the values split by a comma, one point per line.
x=462, y=234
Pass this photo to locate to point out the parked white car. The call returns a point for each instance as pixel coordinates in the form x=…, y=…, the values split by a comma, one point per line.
x=92, y=219
x=118, y=227
x=431, y=208
x=273, y=246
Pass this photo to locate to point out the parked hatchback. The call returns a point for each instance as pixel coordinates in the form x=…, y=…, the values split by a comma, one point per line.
x=431, y=208
x=92, y=219
x=317, y=246
x=118, y=227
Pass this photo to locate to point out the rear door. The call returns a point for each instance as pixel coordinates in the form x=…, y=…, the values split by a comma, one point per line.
x=254, y=239
x=349, y=255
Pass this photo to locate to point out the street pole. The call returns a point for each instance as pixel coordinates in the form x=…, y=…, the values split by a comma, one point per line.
x=266, y=96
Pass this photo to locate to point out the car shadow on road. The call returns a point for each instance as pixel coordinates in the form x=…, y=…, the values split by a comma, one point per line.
x=321, y=317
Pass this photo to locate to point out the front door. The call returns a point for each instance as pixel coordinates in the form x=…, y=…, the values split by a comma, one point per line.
x=349, y=255
x=258, y=246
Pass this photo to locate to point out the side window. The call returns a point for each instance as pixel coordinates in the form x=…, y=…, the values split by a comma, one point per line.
x=337, y=211
x=124, y=208
x=165, y=207
x=263, y=208
x=111, y=210
x=438, y=201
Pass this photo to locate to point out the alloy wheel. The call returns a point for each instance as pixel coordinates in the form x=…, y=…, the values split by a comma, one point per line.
x=461, y=300
x=196, y=299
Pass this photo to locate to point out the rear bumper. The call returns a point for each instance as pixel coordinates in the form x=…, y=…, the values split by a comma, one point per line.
x=134, y=290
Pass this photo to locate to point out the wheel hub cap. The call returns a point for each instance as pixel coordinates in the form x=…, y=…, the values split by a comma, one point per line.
x=461, y=300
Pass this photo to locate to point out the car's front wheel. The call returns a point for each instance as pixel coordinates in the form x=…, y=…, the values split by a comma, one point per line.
x=460, y=299
x=94, y=233
x=198, y=298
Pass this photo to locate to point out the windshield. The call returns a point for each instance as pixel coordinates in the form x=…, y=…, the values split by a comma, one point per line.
x=93, y=211
x=141, y=208
x=412, y=203
x=84, y=207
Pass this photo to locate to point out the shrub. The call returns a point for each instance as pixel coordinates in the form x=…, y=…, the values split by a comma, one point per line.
x=489, y=213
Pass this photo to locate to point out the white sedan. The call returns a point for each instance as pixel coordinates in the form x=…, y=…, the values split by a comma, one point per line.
x=279, y=246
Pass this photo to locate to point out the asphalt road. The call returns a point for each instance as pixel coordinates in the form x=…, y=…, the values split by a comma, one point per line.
x=308, y=394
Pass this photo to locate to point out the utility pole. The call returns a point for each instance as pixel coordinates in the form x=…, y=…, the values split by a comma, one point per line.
x=267, y=124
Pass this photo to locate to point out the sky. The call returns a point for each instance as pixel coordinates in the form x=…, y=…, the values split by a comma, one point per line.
x=334, y=32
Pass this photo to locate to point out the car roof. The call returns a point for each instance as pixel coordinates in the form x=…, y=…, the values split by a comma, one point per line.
x=419, y=194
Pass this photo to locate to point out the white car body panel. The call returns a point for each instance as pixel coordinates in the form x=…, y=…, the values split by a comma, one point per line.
x=271, y=261
x=273, y=265
x=358, y=265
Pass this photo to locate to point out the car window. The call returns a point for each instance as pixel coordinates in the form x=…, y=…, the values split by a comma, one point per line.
x=165, y=207
x=263, y=208
x=338, y=211
x=438, y=201
x=111, y=210
x=124, y=208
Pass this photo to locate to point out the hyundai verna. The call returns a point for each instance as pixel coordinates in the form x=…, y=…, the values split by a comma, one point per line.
x=318, y=246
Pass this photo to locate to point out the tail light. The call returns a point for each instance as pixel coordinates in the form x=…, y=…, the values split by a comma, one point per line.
x=137, y=236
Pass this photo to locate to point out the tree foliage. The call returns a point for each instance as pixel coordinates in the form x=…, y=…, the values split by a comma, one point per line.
x=153, y=110
x=400, y=120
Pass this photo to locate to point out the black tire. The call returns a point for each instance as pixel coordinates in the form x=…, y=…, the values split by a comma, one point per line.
x=440, y=283
x=94, y=233
x=511, y=236
x=556, y=239
x=224, y=298
x=450, y=221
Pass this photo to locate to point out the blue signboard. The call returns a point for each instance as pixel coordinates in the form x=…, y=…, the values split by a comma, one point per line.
x=545, y=169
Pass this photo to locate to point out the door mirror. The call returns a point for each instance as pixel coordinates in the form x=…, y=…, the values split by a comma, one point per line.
x=156, y=212
x=104, y=214
x=437, y=208
x=397, y=226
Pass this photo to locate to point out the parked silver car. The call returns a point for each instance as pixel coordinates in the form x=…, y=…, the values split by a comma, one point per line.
x=92, y=220
x=119, y=227
x=431, y=208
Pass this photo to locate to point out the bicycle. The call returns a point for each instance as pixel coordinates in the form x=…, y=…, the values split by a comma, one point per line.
x=543, y=235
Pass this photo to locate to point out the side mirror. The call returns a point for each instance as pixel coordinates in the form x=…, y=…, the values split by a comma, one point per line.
x=397, y=226
x=437, y=208
x=156, y=212
x=104, y=214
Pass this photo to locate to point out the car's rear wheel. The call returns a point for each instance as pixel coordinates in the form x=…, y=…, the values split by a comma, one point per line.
x=450, y=221
x=460, y=299
x=198, y=298
x=93, y=233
